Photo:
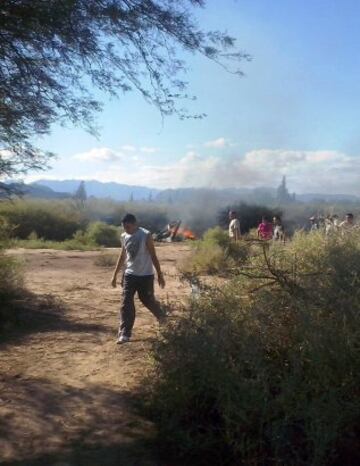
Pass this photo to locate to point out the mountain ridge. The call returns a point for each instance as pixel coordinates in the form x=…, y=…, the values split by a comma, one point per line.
x=57, y=189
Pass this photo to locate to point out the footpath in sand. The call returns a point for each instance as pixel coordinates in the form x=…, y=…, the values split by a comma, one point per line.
x=66, y=388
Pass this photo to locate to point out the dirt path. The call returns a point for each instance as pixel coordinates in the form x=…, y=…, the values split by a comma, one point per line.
x=66, y=388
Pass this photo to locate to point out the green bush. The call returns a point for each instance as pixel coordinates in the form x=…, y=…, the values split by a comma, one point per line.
x=48, y=220
x=217, y=236
x=80, y=241
x=214, y=254
x=68, y=245
x=266, y=370
x=11, y=278
x=103, y=234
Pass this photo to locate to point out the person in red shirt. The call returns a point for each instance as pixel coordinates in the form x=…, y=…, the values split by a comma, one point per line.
x=265, y=229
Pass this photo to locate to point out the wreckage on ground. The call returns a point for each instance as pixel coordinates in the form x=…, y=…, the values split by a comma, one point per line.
x=173, y=232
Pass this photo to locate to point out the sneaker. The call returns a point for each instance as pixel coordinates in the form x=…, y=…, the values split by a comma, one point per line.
x=123, y=339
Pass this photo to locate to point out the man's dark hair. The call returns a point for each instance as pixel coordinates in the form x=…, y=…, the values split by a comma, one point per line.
x=129, y=218
x=349, y=214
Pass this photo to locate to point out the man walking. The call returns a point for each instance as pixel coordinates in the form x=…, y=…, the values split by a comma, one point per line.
x=139, y=256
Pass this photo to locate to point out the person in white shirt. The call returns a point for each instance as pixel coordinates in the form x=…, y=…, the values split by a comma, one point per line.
x=234, y=226
x=314, y=226
x=139, y=257
x=348, y=224
x=329, y=225
x=278, y=229
x=336, y=221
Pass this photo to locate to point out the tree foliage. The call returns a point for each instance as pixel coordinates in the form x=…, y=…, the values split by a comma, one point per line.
x=80, y=195
x=52, y=53
x=282, y=193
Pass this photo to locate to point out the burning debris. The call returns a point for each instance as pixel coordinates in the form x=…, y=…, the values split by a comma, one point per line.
x=173, y=232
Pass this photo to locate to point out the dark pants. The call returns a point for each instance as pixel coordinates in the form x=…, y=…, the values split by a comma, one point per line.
x=144, y=286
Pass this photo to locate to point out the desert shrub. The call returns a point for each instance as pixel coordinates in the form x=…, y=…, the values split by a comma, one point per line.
x=217, y=236
x=78, y=243
x=205, y=259
x=104, y=235
x=47, y=220
x=106, y=260
x=81, y=237
x=5, y=232
x=214, y=254
x=11, y=279
x=266, y=369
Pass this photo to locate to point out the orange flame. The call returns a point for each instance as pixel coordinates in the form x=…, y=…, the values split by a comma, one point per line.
x=187, y=233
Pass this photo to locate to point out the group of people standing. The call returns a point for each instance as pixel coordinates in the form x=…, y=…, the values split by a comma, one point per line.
x=267, y=230
x=332, y=224
x=274, y=229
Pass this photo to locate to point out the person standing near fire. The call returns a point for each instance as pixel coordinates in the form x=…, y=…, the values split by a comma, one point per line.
x=234, y=226
x=139, y=257
x=265, y=229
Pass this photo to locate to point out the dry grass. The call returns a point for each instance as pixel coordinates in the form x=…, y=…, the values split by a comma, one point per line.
x=106, y=260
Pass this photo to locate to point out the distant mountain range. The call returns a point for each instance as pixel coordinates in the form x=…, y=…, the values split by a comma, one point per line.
x=32, y=190
x=116, y=191
x=57, y=189
x=313, y=197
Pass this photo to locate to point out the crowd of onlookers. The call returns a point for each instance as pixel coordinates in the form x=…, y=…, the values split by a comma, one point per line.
x=274, y=229
x=331, y=223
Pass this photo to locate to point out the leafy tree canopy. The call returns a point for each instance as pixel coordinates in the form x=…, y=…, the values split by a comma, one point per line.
x=54, y=52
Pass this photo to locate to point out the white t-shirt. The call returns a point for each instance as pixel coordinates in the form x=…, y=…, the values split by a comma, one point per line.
x=346, y=226
x=329, y=227
x=233, y=226
x=138, y=259
x=278, y=232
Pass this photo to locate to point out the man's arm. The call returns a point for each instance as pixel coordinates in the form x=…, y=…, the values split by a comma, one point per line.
x=119, y=265
x=155, y=260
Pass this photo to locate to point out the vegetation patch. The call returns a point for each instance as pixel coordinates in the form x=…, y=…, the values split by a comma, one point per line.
x=106, y=260
x=265, y=369
x=215, y=254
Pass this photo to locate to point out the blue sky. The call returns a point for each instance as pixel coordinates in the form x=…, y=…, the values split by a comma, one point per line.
x=296, y=112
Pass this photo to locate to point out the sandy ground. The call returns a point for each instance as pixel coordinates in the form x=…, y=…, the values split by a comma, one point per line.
x=66, y=388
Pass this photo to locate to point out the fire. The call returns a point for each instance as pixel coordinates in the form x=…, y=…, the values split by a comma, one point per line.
x=187, y=233
x=175, y=233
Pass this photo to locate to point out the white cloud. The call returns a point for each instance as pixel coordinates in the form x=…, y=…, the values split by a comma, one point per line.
x=219, y=143
x=307, y=171
x=6, y=154
x=321, y=171
x=149, y=150
x=128, y=148
x=100, y=154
